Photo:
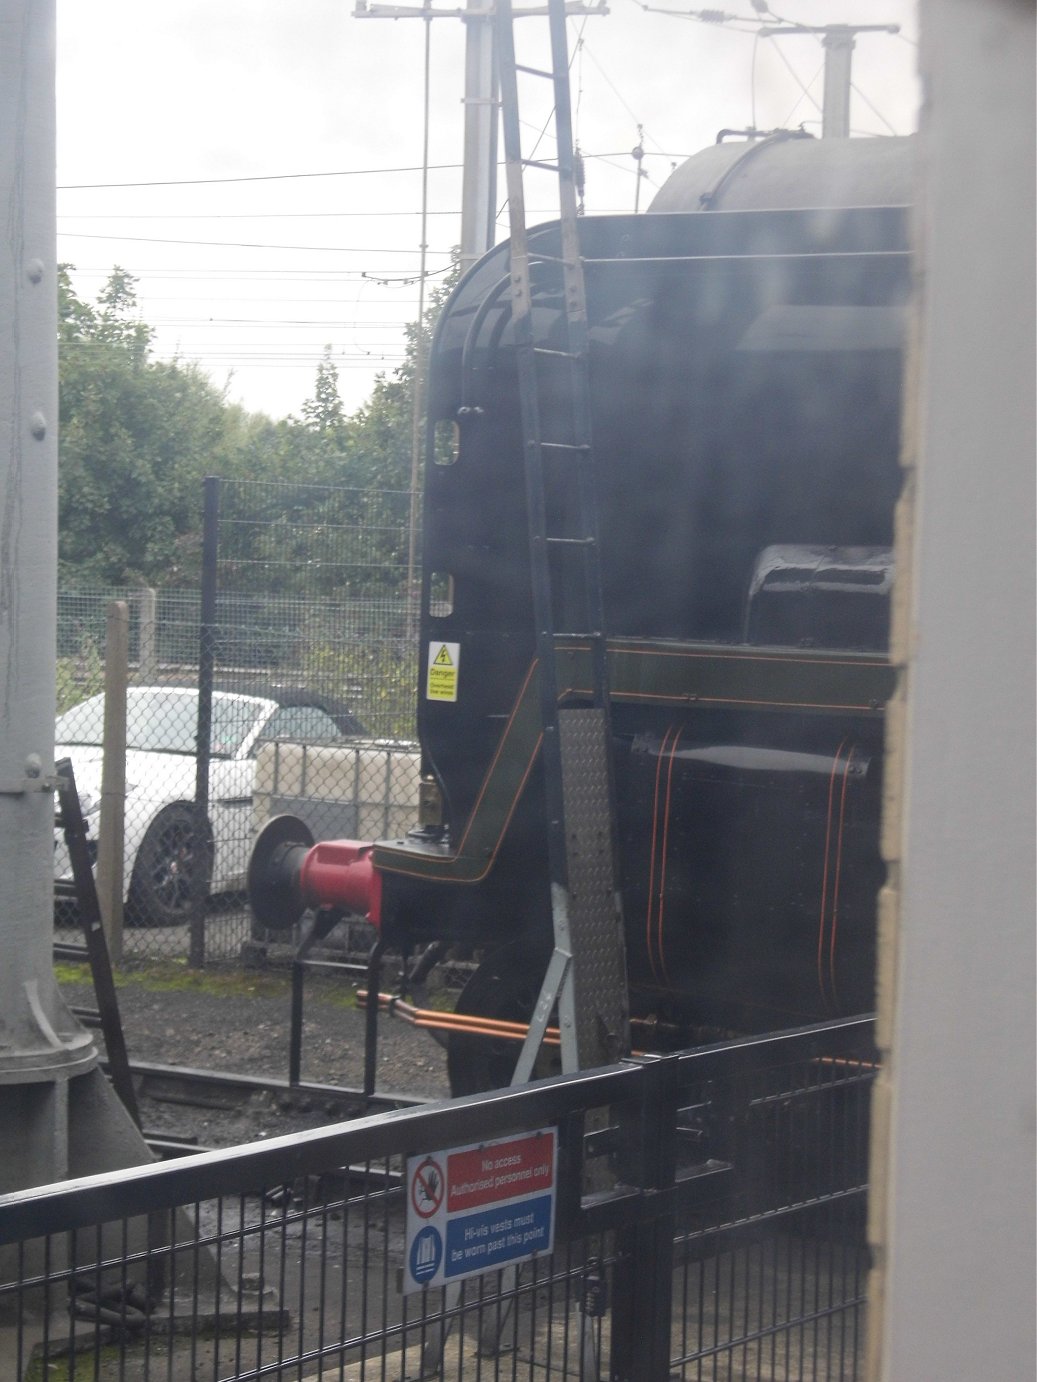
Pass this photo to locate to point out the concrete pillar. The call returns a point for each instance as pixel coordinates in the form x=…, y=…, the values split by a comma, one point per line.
x=41, y=1046
x=147, y=612
x=952, y=1214
x=48, y=1062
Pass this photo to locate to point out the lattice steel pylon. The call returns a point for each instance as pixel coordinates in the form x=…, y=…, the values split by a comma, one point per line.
x=587, y=972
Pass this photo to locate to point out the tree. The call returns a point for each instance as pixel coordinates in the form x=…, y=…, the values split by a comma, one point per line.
x=323, y=414
x=382, y=430
x=137, y=435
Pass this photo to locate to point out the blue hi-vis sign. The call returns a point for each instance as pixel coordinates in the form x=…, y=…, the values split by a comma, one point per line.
x=480, y=1207
x=493, y=1237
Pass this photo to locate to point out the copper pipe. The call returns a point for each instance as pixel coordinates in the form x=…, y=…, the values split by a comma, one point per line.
x=463, y=1023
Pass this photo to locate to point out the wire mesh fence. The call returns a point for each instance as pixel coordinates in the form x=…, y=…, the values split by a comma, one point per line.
x=313, y=581
x=306, y=647
x=356, y=651
x=709, y=1227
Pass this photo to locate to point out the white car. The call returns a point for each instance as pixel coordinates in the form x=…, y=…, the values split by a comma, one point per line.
x=161, y=845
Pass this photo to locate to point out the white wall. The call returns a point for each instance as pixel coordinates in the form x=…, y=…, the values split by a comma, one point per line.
x=957, y=1298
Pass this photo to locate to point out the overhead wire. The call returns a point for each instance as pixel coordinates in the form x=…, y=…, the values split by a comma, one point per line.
x=805, y=89
x=872, y=107
x=235, y=215
x=804, y=95
x=350, y=283
x=717, y=19
x=242, y=244
x=264, y=177
x=746, y=24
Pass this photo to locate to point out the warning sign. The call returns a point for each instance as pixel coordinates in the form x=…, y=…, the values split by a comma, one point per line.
x=494, y=1207
x=426, y=1188
x=443, y=662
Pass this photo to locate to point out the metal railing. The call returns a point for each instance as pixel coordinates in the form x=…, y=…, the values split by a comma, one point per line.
x=708, y=1223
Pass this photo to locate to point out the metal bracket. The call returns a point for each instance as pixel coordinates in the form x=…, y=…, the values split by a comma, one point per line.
x=29, y=784
x=550, y=991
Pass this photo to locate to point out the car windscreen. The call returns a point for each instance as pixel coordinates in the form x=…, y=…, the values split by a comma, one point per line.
x=163, y=722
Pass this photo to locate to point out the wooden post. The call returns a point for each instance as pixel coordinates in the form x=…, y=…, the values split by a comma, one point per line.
x=111, y=831
x=147, y=666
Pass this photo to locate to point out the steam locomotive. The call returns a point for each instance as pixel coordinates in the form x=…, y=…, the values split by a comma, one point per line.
x=745, y=343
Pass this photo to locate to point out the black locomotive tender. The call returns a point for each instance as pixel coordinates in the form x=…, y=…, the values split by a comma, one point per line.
x=745, y=365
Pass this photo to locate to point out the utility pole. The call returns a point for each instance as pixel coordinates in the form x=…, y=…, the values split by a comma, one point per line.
x=478, y=191
x=479, y=177
x=839, y=41
x=58, y=1117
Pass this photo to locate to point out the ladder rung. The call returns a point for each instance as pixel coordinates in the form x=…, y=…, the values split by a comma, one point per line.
x=545, y=164
x=557, y=354
x=570, y=541
x=584, y=635
x=534, y=71
x=564, y=446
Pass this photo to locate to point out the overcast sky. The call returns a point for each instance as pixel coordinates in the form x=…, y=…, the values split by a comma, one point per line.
x=279, y=129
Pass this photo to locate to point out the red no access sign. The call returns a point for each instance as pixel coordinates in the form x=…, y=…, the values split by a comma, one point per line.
x=502, y=1171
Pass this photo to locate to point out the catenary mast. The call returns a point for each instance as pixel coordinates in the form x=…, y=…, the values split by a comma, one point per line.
x=58, y=1117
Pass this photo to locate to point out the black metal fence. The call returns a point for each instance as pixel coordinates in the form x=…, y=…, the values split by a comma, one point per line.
x=709, y=1210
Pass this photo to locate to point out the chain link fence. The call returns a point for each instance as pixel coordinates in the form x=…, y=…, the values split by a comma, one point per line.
x=294, y=669
x=311, y=590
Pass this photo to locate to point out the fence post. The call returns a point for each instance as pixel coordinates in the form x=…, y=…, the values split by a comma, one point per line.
x=643, y=1278
x=147, y=664
x=112, y=823
x=201, y=874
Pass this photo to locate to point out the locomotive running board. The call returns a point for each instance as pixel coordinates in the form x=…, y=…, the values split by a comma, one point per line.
x=813, y=681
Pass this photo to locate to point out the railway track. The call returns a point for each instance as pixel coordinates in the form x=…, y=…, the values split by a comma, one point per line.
x=221, y=1100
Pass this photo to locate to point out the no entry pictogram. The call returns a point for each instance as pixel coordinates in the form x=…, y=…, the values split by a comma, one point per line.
x=427, y=1188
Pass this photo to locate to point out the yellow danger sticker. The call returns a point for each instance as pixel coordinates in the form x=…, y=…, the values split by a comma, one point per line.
x=443, y=661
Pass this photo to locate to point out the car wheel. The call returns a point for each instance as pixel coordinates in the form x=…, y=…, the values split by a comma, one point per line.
x=174, y=859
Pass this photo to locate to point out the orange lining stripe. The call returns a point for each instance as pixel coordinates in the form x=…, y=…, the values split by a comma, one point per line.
x=618, y=650
x=838, y=871
x=621, y=696
x=491, y=858
x=473, y=814
x=496, y=758
x=824, y=881
x=651, y=860
x=662, y=870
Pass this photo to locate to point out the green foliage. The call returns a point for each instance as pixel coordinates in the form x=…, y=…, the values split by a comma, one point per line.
x=377, y=676
x=383, y=429
x=81, y=677
x=323, y=414
x=138, y=436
